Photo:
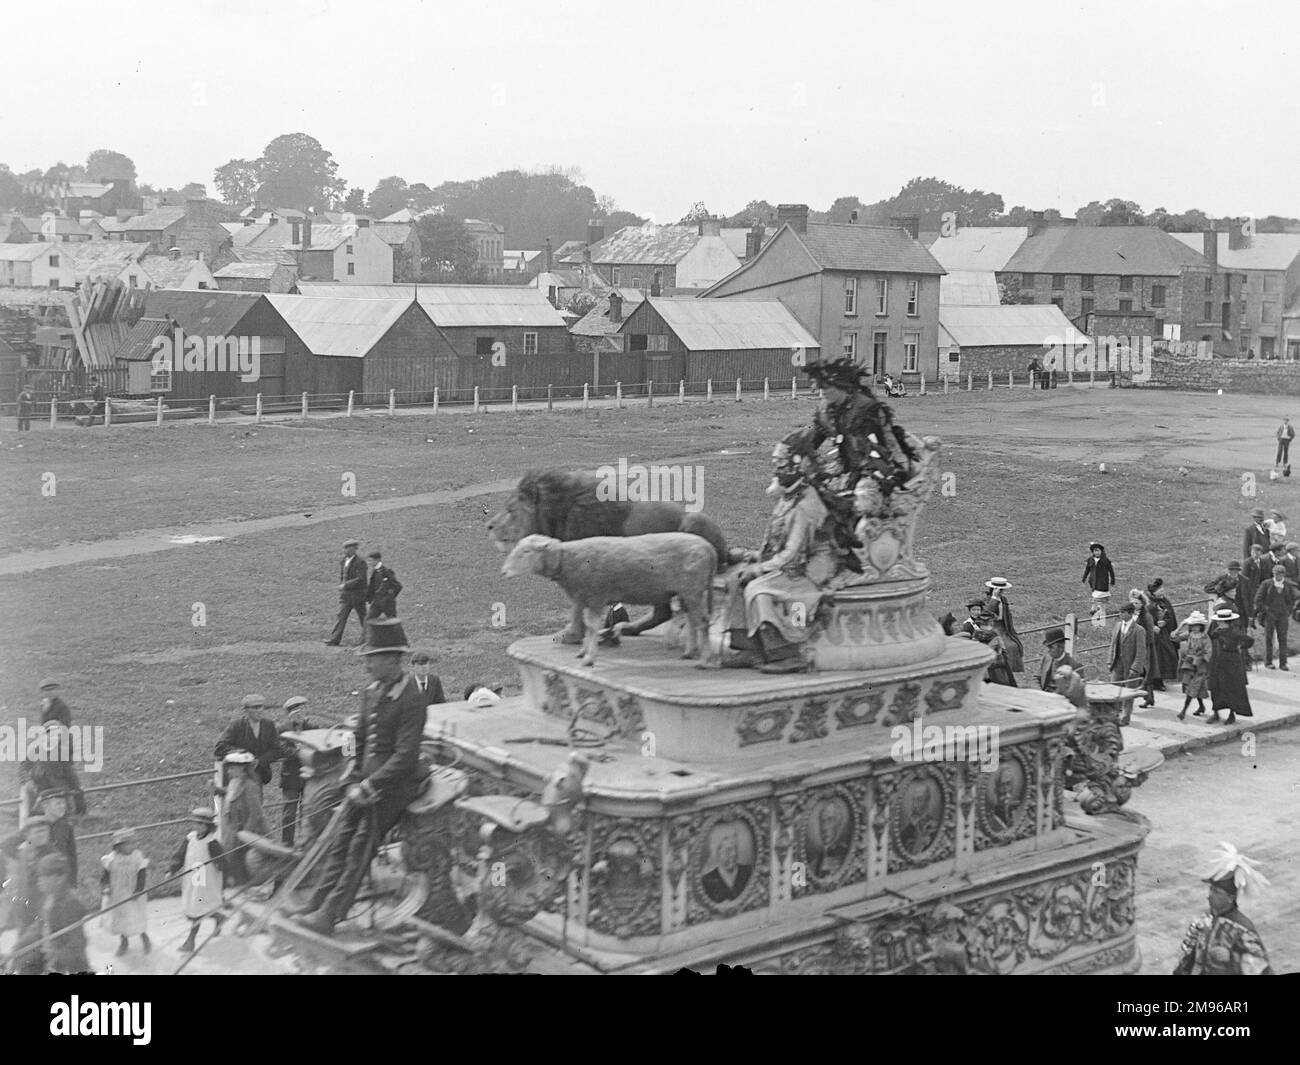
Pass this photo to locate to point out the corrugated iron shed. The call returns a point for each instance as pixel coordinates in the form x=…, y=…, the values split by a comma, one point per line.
x=1009, y=326
x=732, y=325
x=451, y=306
x=336, y=325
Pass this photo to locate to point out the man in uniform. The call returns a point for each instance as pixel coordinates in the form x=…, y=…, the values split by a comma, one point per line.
x=352, y=592
x=1224, y=941
x=385, y=776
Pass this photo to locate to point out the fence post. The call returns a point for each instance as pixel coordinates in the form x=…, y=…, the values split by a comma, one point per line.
x=108, y=411
x=476, y=399
x=514, y=397
x=681, y=391
x=708, y=391
x=304, y=405
x=767, y=392
x=212, y=410
x=946, y=379
x=618, y=394
x=1092, y=377
x=392, y=401
x=54, y=413
x=550, y=397
x=794, y=388
x=1069, y=377
x=158, y=418
x=257, y=417
x=352, y=395
x=650, y=393
x=922, y=384
x=586, y=394
x=1011, y=379
x=1071, y=632
x=990, y=380
x=435, y=400
x=970, y=381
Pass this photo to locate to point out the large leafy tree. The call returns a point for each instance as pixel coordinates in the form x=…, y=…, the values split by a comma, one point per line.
x=930, y=199
x=391, y=194
x=447, y=250
x=296, y=171
x=104, y=164
x=11, y=189
x=355, y=200
x=237, y=182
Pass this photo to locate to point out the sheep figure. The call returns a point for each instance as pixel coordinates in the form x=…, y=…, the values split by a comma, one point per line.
x=638, y=570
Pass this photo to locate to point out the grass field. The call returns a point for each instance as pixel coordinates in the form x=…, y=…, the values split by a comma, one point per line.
x=1026, y=497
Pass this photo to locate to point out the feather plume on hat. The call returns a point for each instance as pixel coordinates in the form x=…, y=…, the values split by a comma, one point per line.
x=1231, y=863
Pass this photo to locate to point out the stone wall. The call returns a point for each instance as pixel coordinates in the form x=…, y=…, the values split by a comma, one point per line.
x=1231, y=375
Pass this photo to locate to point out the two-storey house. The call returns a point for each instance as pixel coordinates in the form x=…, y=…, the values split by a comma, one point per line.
x=868, y=292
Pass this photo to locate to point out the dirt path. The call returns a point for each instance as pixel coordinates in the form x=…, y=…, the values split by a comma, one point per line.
x=148, y=541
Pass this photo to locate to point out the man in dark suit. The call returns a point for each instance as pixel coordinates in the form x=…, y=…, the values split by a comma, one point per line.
x=385, y=775
x=1255, y=533
x=1231, y=586
x=1128, y=647
x=1273, y=605
x=255, y=734
x=382, y=588
x=429, y=685
x=352, y=593
x=1053, y=659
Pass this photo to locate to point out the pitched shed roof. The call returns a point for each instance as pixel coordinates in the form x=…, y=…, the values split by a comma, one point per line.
x=138, y=345
x=969, y=288
x=979, y=247
x=103, y=258
x=26, y=253
x=206, y=312
x=1013, y=325
x=327, y=237
x=158, y=218
x=394, y=233
x=649, y=244
x=1139, y=250
x=1267, y=251
x=457, y=305
x=258, y=270
x=883, y=249
x=569, y=251
x=596, y=322
x=264, y=255
x=339, y=325
x=730, y=325
x=91, y=190
x=165, y=271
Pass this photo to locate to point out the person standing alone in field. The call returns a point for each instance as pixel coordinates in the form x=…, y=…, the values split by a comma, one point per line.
x=26, y=401
x=1285, y=434
x=352, y=593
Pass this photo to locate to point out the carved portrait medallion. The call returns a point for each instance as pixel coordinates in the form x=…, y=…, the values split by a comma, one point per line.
x=921, y=818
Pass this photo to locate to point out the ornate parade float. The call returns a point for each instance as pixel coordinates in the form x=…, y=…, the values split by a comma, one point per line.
x=882, y=810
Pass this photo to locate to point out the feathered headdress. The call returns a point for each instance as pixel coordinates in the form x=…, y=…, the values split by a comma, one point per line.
x=1235, y=871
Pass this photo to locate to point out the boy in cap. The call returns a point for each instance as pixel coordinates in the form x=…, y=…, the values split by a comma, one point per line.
x=385, y=776
x=56, y=940
x=352, y=592
x=1231, y=585
x=122, y=884
x=1224, y=942
x=1054, y=657
x=1274, y=602
x=256, y=734
x=426, y=682
x=1128, y=647
x=1255, y=533
x=1285, y=434
x=200, y=856
x=291, y=781
x=382, y=588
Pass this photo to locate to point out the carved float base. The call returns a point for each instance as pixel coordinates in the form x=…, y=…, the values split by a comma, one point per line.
x=876, y=626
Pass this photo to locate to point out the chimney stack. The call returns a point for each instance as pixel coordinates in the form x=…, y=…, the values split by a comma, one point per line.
x=1210, y=248
x=548, y=260
x=615, y=306
x=853, y=217
x=909, y=222
x=595, y=231
x=1036, y=223
x=796, y=214
x=306, y=232
x=1237, y=238
x=295, y=230
x=656, y=289
x=710, y=226
x=196, y=212
x=363, y=222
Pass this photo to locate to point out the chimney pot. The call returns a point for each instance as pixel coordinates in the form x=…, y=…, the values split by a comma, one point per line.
x=306, y=232
x=595, y=231
x=295, y=230
x=1237, y=237
x=548, y=260
x=615, y=306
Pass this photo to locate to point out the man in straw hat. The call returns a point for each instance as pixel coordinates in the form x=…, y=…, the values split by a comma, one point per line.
x=385, y=775
x=122, y=883
x=1255, y=533
x=1224, y=941
x=352, y=592
x=1054, y=657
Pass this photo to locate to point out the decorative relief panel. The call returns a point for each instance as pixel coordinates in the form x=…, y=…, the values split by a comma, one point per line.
x=625, y=884
x=764, y=725
x=729, y=868
x=922, y=817
x=831, y=838
x=811, y=722
x=1006, y=800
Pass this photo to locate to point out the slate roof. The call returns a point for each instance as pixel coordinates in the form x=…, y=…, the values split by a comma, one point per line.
x=165, y=271
x=569, y=251
x=457, y=305
x=264, y=270
x=138, y=345
x=206, y=312
x=969, y=288
x=392, y=233
x=596, y=323
x=732, y=325
x=1143, y=251
x=26, y=253
x=111, y=225
x=1267, y=251
x=248, y=254
x=339, y=325
x=650, y=245
x=326, y=237
x=979, y=247
x=157, y=219
x=103, y=258
x=1017, y=324
x=882, y=249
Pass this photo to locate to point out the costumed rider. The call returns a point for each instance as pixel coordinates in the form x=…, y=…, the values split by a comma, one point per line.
x=772, y=601
x=386, y=774
x=862, y=427
x=1224, y=942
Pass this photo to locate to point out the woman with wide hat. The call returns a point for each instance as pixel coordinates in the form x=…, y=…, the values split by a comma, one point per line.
x=999, y=608
x=1228, y=666
x=1225, y=942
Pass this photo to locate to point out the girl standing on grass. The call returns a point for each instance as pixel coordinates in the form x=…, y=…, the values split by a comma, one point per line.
x=125, y=869
x=1193, y=662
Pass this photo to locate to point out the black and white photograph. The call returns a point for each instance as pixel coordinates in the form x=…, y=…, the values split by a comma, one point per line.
x=516, y=489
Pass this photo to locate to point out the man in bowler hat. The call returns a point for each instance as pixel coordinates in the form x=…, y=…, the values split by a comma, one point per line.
x=352, y=592
x=1054, y=657
x=1255, y=533
x=385, y=775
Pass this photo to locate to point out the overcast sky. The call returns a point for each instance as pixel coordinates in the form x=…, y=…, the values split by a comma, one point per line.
x=1172, y=103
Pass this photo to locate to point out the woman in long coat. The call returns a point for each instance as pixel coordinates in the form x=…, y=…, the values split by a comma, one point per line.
x=1228, y=666
x=999, y=608
x=1164, y=658
x=999, y=671
x=1193, y=662
x=1143, y=618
